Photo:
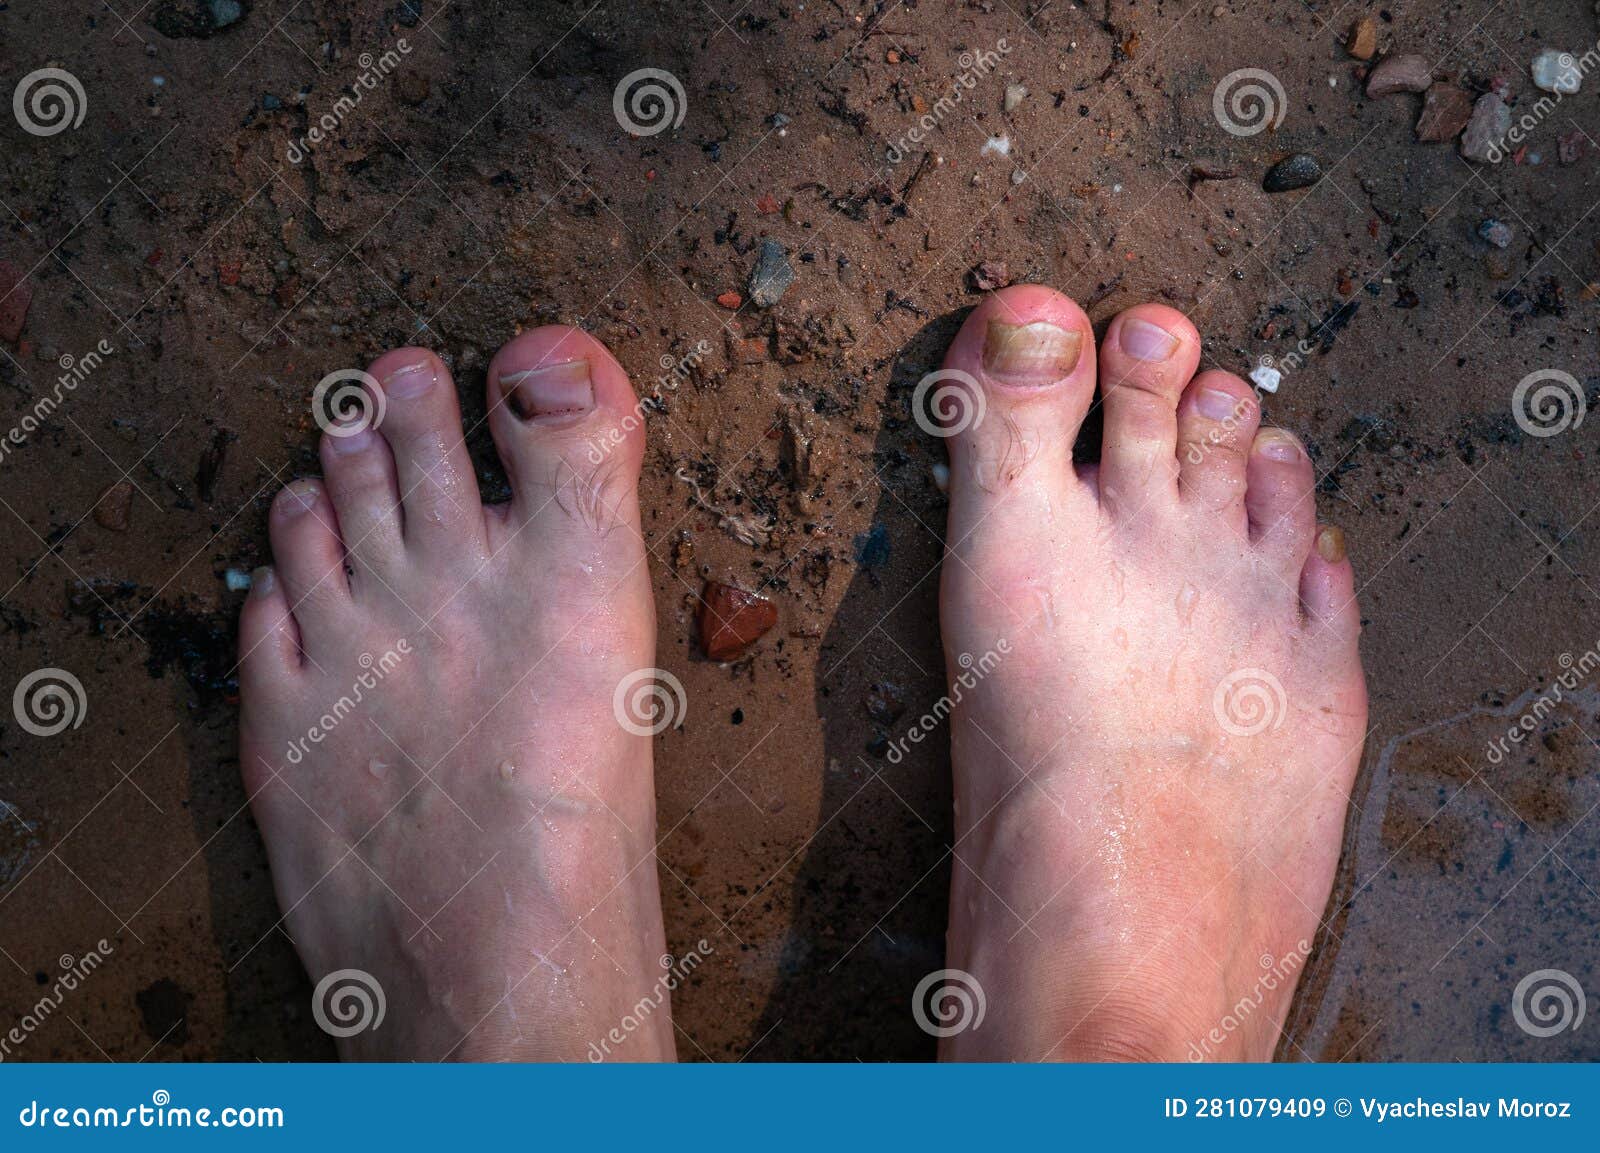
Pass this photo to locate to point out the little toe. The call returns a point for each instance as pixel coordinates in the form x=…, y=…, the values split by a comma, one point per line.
x=1279, y=499
x=358, y=470
x=308, y=556
x=568, y=428
x=269, y=640
x=1149, y=354
x=421, y=421
x=1327, y=587
x=1016, y=383
x=1217, y=420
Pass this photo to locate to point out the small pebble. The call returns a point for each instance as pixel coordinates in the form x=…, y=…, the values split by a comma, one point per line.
x=1496, y=232
x=236, y=580
x=772, y=276
x=1556, y=72
x=1266, y=377
x=1015, y=95
x=1298, y=171
x=1490, y=122
x=1405, y=73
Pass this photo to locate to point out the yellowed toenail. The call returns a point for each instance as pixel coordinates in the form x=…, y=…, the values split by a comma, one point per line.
x=1275, y=444
x=549, y=390
x=1030, y=354
x=1330, y=543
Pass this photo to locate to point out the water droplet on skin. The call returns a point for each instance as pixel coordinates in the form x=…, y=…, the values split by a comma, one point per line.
x=507, y=770
x=1120, y=637
x=377, y=768
x=1187, y=596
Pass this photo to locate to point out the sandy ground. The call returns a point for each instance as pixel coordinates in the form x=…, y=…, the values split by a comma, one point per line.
x=484, y=184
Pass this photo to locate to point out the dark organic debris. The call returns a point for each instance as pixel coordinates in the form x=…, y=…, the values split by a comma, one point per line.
x=1298, y=171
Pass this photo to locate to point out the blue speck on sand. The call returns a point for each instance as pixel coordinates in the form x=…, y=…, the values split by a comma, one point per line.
x=872, y=547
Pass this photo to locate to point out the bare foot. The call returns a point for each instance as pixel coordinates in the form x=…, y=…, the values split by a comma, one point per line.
x=1152, y=765
x=452, y=809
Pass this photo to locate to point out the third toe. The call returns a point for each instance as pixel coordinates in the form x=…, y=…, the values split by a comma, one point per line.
x=1279, y=497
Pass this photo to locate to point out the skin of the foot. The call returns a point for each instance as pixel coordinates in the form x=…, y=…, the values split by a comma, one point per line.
x=1159, y=703
x=429, y=740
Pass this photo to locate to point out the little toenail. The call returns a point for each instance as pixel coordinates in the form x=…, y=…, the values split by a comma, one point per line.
x=262, y=581
x=1330, y=544
x=358, y=440
x=297, y=498
x=1030, y=354
x=552, y=390
x=1214, y=404
x=410, y=379
x=1276, y=445
x=1145, y=341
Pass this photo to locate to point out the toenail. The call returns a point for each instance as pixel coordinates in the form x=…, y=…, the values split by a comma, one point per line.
x=353, y=442
x=262, y=581
x=1275, y=444
x=1214, y=404
x=1145, y=341
x=297, y=498
x=1030, y=354
x=1330, y=544
x=410, y=379
x=551, y=390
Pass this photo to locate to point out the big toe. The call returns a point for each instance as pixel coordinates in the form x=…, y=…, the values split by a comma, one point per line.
x=1011, y=397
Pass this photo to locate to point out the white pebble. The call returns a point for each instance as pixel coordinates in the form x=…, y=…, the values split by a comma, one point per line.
x=1266, y=377
x=1556, y=71
x=996, y=145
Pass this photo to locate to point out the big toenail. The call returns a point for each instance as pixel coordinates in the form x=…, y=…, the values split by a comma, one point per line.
x=1030, y=354
x=1276, y=445
x=358, y=440
x=1145, y=341
x=410, y=379
x=1330, y=544
x=297, y=498
x=1214, y=404
x=552, y=390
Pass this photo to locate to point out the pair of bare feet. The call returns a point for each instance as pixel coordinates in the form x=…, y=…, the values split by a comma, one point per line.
x=1150, y=778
